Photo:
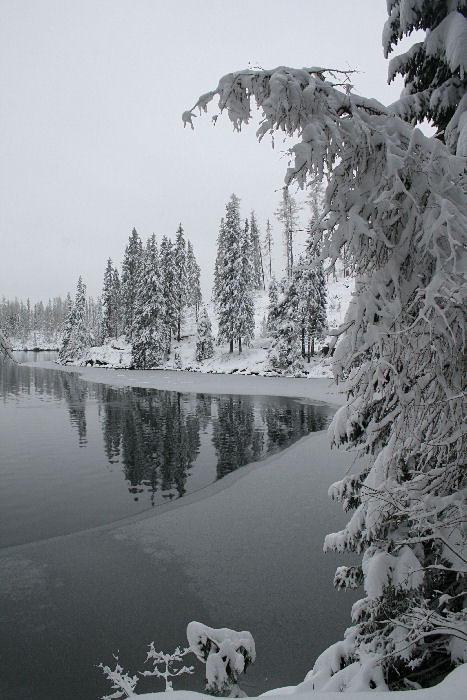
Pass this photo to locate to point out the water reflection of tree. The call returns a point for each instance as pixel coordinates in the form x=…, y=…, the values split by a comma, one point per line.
x=18, y=380
x=234, y=436
x=240, y=432
x=155, y=434
x=286, y=423
x=75, y=393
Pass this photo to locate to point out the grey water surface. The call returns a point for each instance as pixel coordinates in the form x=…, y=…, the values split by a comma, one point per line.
x=78, y=459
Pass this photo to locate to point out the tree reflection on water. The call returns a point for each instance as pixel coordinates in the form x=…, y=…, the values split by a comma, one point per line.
x=156, y=434
x=161, y=438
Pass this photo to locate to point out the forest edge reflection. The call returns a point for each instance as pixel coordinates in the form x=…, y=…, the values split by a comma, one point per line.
x=156, y=435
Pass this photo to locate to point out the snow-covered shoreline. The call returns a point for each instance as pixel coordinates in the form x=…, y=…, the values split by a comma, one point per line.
x=312, y=388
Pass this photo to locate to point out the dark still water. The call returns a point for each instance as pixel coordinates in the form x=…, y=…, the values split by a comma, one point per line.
x=77, y=455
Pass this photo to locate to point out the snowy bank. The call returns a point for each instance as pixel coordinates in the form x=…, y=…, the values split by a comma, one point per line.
x=453, y=687
x=312, y=388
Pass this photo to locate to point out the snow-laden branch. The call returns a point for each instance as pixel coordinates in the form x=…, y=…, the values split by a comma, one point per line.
x=395, y=205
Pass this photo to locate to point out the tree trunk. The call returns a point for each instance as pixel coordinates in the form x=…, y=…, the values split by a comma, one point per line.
x=239, y=346
x=231, y=345
x=303, y=343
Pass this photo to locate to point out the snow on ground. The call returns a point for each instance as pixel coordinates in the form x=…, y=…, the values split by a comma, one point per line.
x=454, y=687
x=35, y=341
x=317, y=389
x=252, y=361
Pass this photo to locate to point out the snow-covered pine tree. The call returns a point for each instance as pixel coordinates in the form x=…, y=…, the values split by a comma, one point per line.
x=310, y=281
x=227, y=273
x=107, y=300
x=204, y=339
x=245, y=310
x=287, y=214
x=396, y=201
x=273, y=305
x=117, y=316
x=93, y=320
x=149, y=330
x=284, y=324
x=168, y=286
x=219, y=264
x=76, y=336
x=131, y=269
x=257, y=256
x=180, y=278
x=233, y=280
x=268, y=243
x=111, y=302
x=193, y=271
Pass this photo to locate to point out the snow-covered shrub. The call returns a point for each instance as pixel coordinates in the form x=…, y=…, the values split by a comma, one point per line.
x=226, y=653
x=123, y=685
x=167, y=661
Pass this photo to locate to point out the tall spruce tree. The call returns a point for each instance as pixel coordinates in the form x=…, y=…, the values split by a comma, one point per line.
x=117, y=309
x=149, y=330
x=233, y=279
x=283, y=324
x=76, y=336
x=219, y=264
x=180, y=278
x=287, y=214
x=131, y=270
x=312, y=292
x=244, y=318
x=257, y=256
x=268, y=243
x=169, y=289
x=193, y=271
x=111, y=301
x=204, y=339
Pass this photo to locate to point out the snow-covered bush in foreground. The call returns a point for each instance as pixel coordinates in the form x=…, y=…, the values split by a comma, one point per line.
x=226, y=653
x=395, y=206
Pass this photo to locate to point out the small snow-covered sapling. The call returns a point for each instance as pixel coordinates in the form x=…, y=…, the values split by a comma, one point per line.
x=168, y=661
x=123, y=684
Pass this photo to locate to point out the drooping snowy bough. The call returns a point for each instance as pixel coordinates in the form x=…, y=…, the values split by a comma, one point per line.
x=396, y=201
x=226, y=653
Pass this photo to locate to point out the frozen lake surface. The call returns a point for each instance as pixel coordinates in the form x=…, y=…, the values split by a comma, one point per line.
x=124, y=517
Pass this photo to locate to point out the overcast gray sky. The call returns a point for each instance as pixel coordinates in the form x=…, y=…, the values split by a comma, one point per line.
x=92, y=93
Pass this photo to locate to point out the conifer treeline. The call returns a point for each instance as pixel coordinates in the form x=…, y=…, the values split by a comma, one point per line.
x=144, y=302
x=39, y=324
x=147, y=300
x=297, y=303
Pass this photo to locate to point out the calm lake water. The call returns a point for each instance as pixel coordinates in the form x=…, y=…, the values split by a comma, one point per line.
x=78, y=456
